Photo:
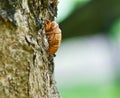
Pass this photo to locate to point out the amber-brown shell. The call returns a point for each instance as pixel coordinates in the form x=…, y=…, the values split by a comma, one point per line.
x=54, y=36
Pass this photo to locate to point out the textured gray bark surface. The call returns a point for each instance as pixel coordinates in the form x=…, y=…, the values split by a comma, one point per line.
x=26, y=70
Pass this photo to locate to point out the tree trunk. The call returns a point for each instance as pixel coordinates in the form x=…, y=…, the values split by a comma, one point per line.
x=26, y=70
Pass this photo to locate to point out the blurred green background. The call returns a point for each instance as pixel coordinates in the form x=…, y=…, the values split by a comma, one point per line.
x=88, y=61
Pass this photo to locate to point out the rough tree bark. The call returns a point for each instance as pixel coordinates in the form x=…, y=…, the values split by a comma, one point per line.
x=26, y=70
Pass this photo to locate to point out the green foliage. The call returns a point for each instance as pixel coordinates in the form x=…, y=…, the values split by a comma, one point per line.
x=91, y=91
x=115, y=31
